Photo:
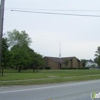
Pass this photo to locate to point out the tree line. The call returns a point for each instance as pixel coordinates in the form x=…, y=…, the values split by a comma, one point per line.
x=16, y=52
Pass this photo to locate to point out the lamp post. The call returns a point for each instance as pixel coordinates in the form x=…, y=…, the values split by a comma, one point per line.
x=2, y=2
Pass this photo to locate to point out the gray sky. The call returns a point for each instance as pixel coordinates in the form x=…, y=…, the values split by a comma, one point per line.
x=79, y=36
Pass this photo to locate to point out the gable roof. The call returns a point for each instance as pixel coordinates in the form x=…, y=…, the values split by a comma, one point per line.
x=57, y=59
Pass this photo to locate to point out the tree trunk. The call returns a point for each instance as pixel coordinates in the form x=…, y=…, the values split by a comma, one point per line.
x=37, y=68
x=33, y=69
x=16, y=67
x=2, y=71
x=20, y=69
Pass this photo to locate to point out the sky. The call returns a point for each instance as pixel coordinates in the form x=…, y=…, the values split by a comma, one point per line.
x=79, y=35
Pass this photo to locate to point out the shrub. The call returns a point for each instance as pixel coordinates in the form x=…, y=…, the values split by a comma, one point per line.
x=74, y=68
x=63, y=68
x=41, y=68
x=47, y=68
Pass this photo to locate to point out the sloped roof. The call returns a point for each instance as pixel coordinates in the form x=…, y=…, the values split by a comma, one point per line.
x=57, y=59
x=91, y=61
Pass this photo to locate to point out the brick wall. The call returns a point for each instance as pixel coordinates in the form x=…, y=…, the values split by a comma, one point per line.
x=53, y=64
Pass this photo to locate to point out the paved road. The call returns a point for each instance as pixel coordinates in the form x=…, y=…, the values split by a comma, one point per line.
x=65, y=91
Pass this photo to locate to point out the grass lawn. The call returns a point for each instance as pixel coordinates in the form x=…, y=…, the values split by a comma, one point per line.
x=27, y=77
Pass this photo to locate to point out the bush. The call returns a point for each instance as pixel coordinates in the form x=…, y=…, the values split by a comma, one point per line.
x=63, y=68
x=82, y=68
x=47, y=68
x=40, y=68
x=74, y=68
x=71, y=68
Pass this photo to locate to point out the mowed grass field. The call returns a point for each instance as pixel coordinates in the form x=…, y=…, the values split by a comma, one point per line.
x=27, y=77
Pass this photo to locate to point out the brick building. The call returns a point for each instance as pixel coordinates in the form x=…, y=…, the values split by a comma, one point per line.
x=57, y=63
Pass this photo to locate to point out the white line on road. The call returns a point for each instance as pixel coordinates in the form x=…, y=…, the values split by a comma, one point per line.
x=57, y=86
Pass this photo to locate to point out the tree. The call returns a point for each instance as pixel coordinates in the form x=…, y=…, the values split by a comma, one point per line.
x=5, y=53
x=18, y=38
x=24, y=57
x=37, y=60
x=19, y=43
x=84, y=62
x=97, y=54
x=21, y=55
x=66, y=63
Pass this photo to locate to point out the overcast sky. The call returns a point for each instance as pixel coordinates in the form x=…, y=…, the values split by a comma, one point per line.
x=79, y=36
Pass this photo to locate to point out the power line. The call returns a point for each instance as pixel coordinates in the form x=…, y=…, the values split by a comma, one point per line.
x=55, y=13
x=52, y=9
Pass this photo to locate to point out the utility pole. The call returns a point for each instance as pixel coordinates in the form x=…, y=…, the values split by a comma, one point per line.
x=2, y=2
x=60, y=63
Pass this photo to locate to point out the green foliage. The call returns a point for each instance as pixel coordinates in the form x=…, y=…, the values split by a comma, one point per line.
x=97, y=60
x=19, y=55
x=97, y=54
x=18, y=38
x=5, y=53
x=84, y=62
x=25, y=57
x=66, y=63
x=38, y=59
x=47, y=68
x=74, y=68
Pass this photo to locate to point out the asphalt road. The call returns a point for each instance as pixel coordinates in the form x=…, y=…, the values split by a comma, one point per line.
x=65, y=91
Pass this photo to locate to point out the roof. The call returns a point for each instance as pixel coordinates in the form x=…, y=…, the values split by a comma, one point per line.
x=57, y=59
x=90, y=61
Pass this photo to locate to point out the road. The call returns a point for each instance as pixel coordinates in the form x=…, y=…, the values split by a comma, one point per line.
x=64, y=91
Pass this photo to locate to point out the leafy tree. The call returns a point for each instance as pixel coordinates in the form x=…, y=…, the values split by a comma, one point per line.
x=84, y=62
x=66, y=63
x=39, y=60
x=5, y=53
x=97, y=60
x=36, y=61
x=18, y=38
x=18, y=42
x=24, y=57
x=21, y=55
x=97, y=54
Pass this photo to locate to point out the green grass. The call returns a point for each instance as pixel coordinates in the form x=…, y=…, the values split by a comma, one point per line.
x=46, y=76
